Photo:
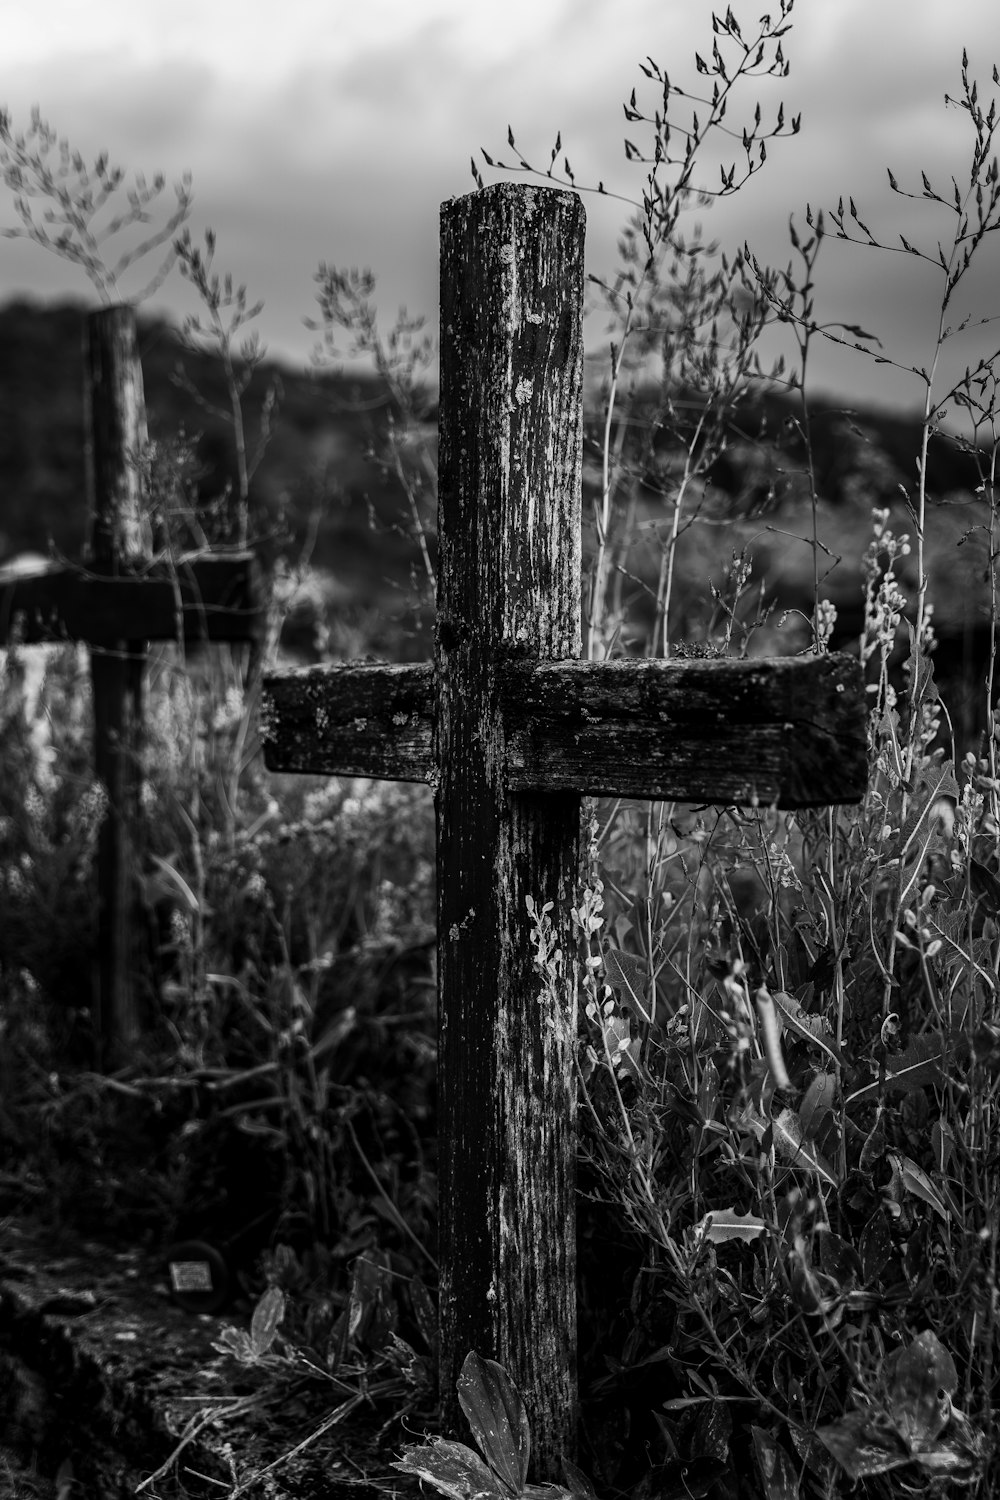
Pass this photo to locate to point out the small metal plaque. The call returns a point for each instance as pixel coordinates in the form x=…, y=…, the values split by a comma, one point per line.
x=191, y=1276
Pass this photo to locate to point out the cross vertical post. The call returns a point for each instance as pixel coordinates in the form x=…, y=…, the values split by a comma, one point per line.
x=122, y=598
x=511, y=433
x=120, y=544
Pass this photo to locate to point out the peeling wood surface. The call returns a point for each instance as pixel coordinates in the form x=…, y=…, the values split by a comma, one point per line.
x=375, y=720
x=509, y=574
x=116, y=437
x=789, y=730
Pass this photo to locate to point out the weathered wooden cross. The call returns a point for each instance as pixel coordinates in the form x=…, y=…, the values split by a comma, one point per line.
x=511, y=730
x=115, y=603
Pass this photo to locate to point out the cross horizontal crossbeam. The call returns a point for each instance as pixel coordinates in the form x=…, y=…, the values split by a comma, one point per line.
x=782, y=732
x=213, y=598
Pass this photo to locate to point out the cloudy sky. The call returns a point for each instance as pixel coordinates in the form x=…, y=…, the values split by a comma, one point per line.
x=316, y=130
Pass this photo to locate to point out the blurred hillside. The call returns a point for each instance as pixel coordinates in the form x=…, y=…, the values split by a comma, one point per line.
x=316, y=485
x=320, y=472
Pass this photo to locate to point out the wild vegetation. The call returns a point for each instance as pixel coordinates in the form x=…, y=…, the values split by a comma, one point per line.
x=789, y=1024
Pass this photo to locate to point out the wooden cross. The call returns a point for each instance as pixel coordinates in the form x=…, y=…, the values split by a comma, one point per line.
x=512, y=730
x=116, y=602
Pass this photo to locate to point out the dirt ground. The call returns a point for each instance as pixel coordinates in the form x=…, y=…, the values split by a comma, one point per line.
x=101, y=1376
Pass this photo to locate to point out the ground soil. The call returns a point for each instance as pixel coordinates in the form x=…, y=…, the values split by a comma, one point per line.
x=101, y=1375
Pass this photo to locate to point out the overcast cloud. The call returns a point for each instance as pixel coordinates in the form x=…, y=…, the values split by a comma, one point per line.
x=318, y=131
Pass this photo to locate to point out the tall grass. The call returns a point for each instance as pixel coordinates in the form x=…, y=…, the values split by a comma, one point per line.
x=788, y=1065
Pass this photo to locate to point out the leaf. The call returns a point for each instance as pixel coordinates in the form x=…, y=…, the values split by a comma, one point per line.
x=366, y=1306
x=959, y=1453
x=623, y=1049
x=776, y=1468
x=985, y=885
x=920, y=1381
x=685, y=1110
x=789, y=1141
x=859, y=333
x=812, y=1290
x=234, y=1341
x=918, y=1424
x=863, y=1445
x=176, y=882
x=876, y=1246
x=942, y=1143
x=630, y=977
x=726, y=1224
x=424, y=1313
x=922, y=837
x=817, y=1103
x=918, y=1065
x=767, y=1015
x=579, y=1486
x=405, y=1359
x=916, y=1181
x=839, y=1259
x=811, y=1028
x=814, y=1456
x=986, y=1047
x=792, y=1146
x=65, y=1481
x=266, y=1317
x=713, y=1430
x=708, y=1090
x=451, y=1468
x=498, y=1420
